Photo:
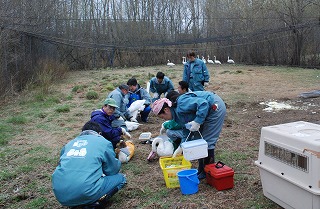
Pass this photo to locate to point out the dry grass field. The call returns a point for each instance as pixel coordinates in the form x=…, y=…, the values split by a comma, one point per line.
x=36, y=127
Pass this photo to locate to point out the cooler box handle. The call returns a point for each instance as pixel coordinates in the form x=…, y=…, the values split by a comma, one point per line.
x=219, y=164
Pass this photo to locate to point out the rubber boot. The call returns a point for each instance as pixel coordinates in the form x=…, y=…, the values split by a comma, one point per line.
x=103, y=201
x=210, y=158
x=203, y=162
x=95, y=205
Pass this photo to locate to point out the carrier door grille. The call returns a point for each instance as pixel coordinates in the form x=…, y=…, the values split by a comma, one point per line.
x=286, y=156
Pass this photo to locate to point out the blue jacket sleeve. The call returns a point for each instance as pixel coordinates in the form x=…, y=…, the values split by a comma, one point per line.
x=152, y=86
x=170, y=86
x=205, y=73
x=145, y=95
x=185, y=77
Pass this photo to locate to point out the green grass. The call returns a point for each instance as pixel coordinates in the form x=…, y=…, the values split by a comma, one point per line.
x=92, y=95
x=63, y=108
x=6, y=174
x=17, y=120
x=6, y=134
x=39, y=202
x=78, y=88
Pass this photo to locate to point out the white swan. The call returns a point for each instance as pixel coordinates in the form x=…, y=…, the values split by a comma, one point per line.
x=184, y=60
x=209, y=60
x=204, y=60
x=230, y=61
x=216, y=61
x=162, y=146
x=170, y=63
x=136, y=107
x=132, y=125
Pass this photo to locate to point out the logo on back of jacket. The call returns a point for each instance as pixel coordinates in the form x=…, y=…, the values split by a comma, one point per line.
x=78, y=151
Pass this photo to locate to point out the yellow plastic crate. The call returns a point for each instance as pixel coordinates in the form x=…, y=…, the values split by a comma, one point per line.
x=170, y=167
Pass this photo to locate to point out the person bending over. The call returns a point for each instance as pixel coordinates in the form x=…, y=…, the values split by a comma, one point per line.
x=199, y=111
x=160, y=84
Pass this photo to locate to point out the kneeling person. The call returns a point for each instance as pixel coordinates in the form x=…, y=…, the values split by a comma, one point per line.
x=88, y=169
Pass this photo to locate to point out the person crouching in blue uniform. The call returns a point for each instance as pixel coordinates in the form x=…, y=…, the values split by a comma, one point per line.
x=160, y=84
x=105, y=117
x=201, y=111
x=88, y=170
x=138, y=93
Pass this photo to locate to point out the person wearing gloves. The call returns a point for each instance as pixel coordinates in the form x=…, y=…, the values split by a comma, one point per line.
x=160, y=84
x=87, y=175
x=138, y=93
x=173, y=130
x=195, y=73
x=121, y=96
x=198, y=111
x=104, y=118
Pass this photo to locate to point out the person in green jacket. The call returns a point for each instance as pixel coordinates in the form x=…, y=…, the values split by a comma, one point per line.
x=88, y=170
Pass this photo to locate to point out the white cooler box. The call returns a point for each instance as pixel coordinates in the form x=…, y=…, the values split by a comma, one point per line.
x=289, y=164
x=195, y=149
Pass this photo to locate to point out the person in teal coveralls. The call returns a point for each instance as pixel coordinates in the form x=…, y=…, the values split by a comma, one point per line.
x=195, y=73
x=199, y=111
x=88, y=170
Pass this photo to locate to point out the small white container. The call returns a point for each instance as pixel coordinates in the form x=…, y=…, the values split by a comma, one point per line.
x=145, y=135
x=195, y=149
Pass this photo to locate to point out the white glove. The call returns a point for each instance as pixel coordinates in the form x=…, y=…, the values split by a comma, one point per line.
x=132, y=119
x=177, y=152
x=155, y=95
x=206, y=84
x=125, y=133
x=194, y=126
x=162, y=130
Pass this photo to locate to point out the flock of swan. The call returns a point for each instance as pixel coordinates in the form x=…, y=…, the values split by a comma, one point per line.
x=208, y=60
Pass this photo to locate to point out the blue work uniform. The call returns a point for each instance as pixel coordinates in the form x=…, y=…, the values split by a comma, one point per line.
x=203, y=107
x=196, y=74
x=161, y=88
x=121, y=100
x=87, y=170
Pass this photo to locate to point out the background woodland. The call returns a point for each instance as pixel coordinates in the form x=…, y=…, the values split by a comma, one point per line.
x=41, y=40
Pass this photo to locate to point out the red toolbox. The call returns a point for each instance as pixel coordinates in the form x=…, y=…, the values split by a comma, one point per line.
x=219, y=176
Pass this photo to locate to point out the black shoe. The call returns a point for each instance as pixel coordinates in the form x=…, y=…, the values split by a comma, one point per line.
x=202, y=175
x=95, y=205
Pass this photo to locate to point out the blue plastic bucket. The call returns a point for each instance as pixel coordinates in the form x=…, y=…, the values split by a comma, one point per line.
x=189, y=181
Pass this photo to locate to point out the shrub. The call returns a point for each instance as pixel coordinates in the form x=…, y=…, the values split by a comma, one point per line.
x=63, y=108
x=77, y=88
x=92, y=95
x=110, y=87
